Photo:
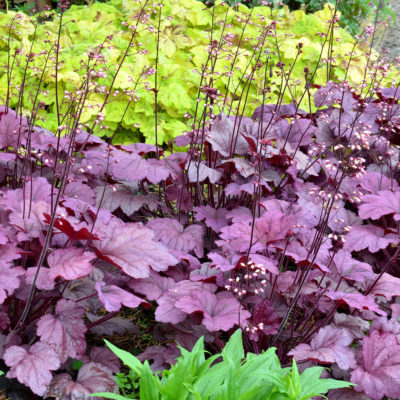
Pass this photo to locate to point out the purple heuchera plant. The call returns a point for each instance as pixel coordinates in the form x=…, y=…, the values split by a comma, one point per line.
x=285, y=224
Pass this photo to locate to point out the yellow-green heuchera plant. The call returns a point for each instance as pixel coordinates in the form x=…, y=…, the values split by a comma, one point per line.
x=126, y=66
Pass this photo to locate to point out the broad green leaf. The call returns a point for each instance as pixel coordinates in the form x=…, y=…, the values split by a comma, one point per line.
x=312, y=384
x=233, y=350
x=127, y=358
x=109, y=396
x=172, y=94
x=148, y=387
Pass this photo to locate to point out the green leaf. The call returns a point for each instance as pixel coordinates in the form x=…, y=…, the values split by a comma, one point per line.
x=148, y=387
x=76, y=364
x=296, y=383
x=312, y=384
x=109, y=396
x=174, y=95
x=233, y=350
x=127, y=358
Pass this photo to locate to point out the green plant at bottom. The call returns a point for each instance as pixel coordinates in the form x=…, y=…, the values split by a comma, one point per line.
x=254, y=377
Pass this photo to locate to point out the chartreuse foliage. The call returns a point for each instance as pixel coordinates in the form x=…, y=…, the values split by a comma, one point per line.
x=353, y=12
x=255, y=377
x=183, y=43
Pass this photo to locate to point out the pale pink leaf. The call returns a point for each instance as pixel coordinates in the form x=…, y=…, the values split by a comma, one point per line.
x=167, y=310
x=384, y=203
x=379, y=373
x=9, y=279
x=272, y=226
x=351, y=269
x=329, y=345
x=387, y=286
x=356, y=326
x=369, y=237
x=355, y=300
x=152, y=287
x=124, y=197
x=200, y=172
x=132, y=247
x=265, y=262
x=70, y=264
x=221, y=311
x=225, y=138
x=172, y=233
x=32, y=366
x=65, y=330
x=43, y=280
x=214, y=218
x=113, y=297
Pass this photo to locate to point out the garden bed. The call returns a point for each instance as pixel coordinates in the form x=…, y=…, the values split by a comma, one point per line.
x=199, y=172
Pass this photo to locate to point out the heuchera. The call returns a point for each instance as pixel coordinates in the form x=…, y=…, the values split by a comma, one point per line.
x=287, y=226
x=123, y=50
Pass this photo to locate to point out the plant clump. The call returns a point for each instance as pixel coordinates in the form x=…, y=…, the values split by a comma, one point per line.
x=120, y=38
x=283, y=222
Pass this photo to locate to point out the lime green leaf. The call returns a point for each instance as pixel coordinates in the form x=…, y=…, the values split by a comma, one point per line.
x=127, y=358
x=174, y=95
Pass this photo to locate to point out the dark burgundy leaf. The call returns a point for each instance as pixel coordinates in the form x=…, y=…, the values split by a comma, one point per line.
x=113, y=326
x=92, y=377
x=64, y=226
x=104, y=356
x=264, y=313
x=162, y=356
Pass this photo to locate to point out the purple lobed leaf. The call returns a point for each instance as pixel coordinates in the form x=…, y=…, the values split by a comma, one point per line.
x=221, y=311
x=214, y=218
x=152, y=287
x=32, y=366
x=64, y=331
x=70, y=264
x=384, y=203
x=328, y=346
x=114, y=297
x=133, y=248
x=172, y=233
x=92, y=377
x=379, y=372
x=355, y=300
